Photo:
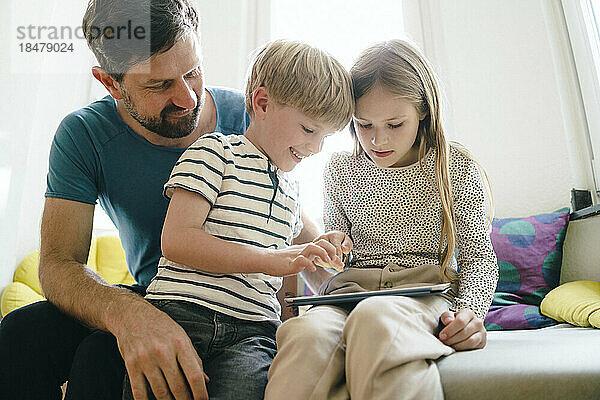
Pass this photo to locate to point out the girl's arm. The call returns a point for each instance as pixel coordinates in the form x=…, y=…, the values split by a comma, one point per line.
x=476, y=260
x=183, y=241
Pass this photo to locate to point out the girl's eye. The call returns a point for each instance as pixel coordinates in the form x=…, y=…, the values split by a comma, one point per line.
x=364, y=126
x=307, y=130
x=394, y=126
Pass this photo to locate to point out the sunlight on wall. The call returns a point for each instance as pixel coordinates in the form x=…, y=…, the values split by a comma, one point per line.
x=357, y=25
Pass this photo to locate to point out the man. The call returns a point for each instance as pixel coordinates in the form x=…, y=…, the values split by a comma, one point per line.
x=119, y=150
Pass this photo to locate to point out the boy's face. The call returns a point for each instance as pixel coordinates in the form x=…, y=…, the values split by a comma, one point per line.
x=291, y=136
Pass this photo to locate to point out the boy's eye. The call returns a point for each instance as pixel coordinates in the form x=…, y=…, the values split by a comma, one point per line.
x=307, y=130
x=193, y=74
x=394, y=126
x=364, y=126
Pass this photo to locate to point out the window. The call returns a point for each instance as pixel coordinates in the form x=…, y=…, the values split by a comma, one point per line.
x=343, y=28
x=583, y=18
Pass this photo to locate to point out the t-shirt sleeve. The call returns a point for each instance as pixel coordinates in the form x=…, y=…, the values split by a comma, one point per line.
x=478, y=269
x=200, y=169
x=73, y=163
x=334, y=217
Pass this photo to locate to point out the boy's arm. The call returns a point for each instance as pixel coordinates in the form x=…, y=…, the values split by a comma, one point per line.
x=185, y=242
x=310, y=232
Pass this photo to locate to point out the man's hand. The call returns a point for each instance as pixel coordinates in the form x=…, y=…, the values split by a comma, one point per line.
x=158, y=351
x=342, y=244
x=463, y=330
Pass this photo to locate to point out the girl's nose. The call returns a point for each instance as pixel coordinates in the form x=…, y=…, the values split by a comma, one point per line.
x=379, y=138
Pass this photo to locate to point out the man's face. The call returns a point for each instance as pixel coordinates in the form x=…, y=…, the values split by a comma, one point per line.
x=168, y=99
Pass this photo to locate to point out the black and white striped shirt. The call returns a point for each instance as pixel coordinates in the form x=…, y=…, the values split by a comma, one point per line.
x=251, y=203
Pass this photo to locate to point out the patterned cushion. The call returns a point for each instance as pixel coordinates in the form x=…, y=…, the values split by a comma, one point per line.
x=529, y=252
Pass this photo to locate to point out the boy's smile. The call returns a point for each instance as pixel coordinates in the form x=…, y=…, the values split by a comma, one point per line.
x=284, y=134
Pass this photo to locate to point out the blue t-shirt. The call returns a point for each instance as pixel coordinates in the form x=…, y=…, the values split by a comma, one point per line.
x=96, y=156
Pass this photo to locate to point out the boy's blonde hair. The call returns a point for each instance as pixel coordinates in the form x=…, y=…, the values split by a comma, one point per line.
x=403, y=70
x=305, y=78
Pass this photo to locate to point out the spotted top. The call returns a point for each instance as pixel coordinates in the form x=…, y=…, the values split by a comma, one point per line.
x=394, y=215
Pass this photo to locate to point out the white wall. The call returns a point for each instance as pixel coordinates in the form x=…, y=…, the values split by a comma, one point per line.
x=512, y=94
x=38, y=90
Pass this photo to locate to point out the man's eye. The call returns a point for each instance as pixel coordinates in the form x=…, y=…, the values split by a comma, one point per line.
x=307, y=130
x=162, y=86
x=394, y=126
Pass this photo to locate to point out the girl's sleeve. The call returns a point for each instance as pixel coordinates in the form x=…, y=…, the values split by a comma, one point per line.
x=334, y=217
x=477, y=264
x=200, y=169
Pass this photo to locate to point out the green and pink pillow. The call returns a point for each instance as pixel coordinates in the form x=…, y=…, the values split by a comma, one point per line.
x=529, y=252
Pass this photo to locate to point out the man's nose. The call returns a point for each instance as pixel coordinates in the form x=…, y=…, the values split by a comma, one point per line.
x=184, y=96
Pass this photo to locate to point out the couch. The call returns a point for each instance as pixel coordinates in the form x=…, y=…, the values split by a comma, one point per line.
x=556, y=362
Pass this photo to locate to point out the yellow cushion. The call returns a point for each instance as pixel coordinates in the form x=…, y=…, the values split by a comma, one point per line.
x=106, y=256
x=111, y=261
x=27, y=272
x=577, y=303
x=17, y=295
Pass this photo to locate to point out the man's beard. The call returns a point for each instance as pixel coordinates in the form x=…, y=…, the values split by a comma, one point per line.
x=160, y=125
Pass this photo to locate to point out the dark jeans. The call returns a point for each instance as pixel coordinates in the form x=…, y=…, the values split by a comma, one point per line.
x=41, y=347
x=236, y=354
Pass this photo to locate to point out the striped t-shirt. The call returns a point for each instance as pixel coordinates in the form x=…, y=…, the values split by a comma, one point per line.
x=251, y=203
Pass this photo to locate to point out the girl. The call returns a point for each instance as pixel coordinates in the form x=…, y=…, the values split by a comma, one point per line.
x=408, y=200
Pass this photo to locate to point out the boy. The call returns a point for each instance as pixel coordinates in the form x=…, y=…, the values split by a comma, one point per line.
x=234, y=214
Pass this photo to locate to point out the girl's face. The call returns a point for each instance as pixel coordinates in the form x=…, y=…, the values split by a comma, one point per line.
x=386, y=127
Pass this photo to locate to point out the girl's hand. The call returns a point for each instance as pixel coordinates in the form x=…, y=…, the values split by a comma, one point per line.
x=342, y=245
x=463, y=330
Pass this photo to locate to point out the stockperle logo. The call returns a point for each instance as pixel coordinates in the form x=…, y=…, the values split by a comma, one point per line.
x=47, y=37
x=119, y=32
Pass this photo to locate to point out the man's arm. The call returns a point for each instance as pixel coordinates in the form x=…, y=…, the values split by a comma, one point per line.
x=148, y=339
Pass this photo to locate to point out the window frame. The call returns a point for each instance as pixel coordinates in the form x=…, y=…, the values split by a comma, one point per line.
x=584, y=37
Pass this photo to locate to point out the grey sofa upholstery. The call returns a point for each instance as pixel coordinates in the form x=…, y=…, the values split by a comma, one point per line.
x=559, y=362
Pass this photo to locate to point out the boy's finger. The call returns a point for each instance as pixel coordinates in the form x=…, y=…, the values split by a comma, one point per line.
x=347, y=244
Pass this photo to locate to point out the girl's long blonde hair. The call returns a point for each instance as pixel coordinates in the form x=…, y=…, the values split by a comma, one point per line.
x=402, y=69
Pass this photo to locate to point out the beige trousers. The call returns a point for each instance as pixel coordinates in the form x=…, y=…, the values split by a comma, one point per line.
x=383, y=349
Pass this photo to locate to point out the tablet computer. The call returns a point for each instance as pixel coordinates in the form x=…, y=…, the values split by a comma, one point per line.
x=332, y=299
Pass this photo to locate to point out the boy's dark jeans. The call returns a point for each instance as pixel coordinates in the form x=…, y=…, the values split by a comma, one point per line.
x=41, y=347
x=236, y=354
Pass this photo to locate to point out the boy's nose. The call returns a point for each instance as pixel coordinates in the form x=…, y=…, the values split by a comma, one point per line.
x=184, y=96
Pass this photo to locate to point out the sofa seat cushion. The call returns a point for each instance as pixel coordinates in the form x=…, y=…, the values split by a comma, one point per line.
x=558, y=362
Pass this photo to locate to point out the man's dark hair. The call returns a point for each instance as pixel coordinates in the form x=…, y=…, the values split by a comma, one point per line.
x=122, y=33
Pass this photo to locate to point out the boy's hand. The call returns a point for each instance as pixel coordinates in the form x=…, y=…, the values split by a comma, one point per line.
x=463, y=331
x=342, y=243
x=294, y=259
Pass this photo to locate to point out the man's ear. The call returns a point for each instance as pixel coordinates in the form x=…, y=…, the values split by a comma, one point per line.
x=113, y=87
x=260, y=102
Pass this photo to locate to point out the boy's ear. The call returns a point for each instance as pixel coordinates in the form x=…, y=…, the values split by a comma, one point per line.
x=113, y=87
x=260, y=102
